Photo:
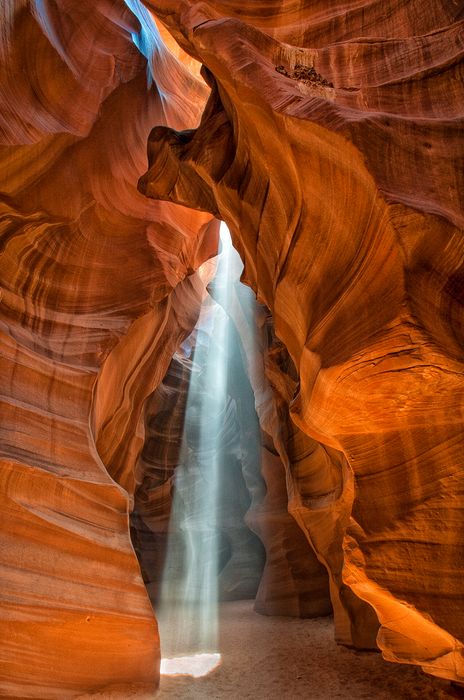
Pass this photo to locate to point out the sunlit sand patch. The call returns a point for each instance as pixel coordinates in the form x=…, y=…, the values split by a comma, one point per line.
x=197, y=665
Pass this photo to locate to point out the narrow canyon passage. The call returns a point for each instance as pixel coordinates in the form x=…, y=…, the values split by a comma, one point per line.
x=313, y=411
x=208, y=552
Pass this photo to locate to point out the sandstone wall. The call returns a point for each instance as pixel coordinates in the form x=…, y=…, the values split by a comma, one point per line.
x=97, y=290
x=332, y=147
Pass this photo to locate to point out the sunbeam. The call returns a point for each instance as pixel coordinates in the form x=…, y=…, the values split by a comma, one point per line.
x=189, y=592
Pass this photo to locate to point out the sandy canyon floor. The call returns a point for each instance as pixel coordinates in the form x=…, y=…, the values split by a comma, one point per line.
x=283, y=658
x=287, y=658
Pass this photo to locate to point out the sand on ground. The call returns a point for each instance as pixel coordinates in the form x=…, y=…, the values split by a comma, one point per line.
x=287, y=658
x=284, y=658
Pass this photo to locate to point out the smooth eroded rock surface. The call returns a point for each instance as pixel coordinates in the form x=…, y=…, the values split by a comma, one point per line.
x=97, y=290
x=331, y=143
x=332, y=146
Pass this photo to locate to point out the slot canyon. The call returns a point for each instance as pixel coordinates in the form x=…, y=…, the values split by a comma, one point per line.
x=232, y=349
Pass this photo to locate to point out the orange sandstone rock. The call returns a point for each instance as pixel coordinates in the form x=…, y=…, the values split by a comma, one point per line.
x=332, y=146
x=344, y=196
x=97, y=289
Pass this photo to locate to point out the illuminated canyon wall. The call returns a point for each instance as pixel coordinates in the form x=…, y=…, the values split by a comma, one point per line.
x=332, y=147
x=331, y=144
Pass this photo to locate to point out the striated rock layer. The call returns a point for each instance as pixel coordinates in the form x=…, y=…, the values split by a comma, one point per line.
x=98, y=289
x=294, y=582
x=332, y=146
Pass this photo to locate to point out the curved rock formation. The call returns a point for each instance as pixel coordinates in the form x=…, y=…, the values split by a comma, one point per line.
x=97, y=292
x=332, y=147
x=294, y=582
x=331, y=144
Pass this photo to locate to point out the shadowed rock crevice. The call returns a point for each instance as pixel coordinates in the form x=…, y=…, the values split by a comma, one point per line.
x=307, y=74
x=253, y=478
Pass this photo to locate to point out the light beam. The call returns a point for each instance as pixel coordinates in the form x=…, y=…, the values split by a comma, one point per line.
x=188, y=607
